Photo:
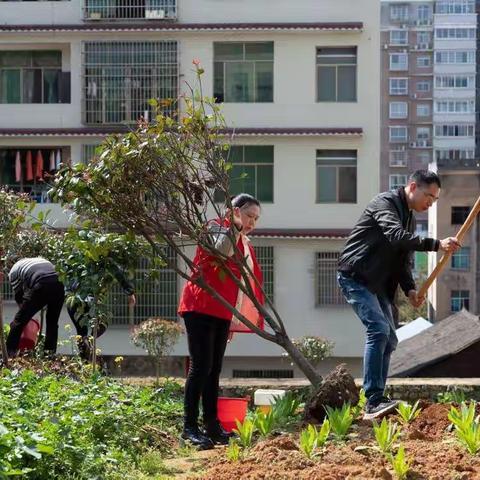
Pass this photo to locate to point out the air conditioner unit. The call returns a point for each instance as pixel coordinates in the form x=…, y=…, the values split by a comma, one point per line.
x=155, y=14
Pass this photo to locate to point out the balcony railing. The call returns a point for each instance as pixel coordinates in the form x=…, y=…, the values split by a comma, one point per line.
x=128, y=10
x=458, y=164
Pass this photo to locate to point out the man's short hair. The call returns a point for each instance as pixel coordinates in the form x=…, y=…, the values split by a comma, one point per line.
x=425, y=177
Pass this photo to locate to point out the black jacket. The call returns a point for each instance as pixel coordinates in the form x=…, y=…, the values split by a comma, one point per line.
x=378, y=252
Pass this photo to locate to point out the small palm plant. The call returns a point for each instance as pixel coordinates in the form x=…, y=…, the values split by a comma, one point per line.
x=408, y=413
x=466, y=426
x=400, y=463
x=245, y=432
x=341, y=420
x=386, y=434
x=311, y=438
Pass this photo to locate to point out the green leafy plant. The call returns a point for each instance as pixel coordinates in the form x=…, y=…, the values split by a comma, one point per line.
x=265, y=422
x=341, y=420
x=285, y=408
x=400, y=463
x=245, y=432
x=323, y=433
x=408, y=413
x=462, y=418
x=308, y=440
x=234, y=452
x=362, y=401
x=63, y=428
x=386, y=434
x=470, y=438
x=453, y=395
x=312, y=439
x=466, y=426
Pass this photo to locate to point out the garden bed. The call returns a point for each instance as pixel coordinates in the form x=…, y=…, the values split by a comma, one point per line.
x=435, y=452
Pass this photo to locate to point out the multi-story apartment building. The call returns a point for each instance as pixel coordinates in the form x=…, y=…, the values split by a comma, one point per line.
x=429, y=70
x=296, y=81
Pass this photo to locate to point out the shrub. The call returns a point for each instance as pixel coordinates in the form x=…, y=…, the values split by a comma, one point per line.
x=157, y=337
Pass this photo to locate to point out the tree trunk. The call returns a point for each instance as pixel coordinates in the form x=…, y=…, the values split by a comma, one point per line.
x=94, y=353
x=2, y=336
x=302, y=363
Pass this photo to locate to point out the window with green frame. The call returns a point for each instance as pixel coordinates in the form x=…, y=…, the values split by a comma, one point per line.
x=251, y=172
x=243, y=72
x=30, y=76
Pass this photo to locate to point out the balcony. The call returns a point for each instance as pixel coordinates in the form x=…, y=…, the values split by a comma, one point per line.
x=129, y=10
x=28, y=169
x=458, y=164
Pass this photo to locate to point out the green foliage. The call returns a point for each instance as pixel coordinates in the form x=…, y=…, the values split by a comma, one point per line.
x=400, y=463
x=453, y=395
x=234, y=452
x=265, y=422
x=245, y=432
x=341, y=420
x=59, y=428
x=157, y=337
x=408, y=413
x=466, y=426
x=285, y=408
x=358, y=408
x=311, y=439
x=308, y=440
x=313, y=348
x=386, y=434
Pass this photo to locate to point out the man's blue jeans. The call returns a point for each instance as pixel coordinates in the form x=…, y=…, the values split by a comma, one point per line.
x=375, y=312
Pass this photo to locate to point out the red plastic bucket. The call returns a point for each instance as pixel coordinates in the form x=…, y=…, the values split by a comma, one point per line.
x=29, y=336
x=231, y=409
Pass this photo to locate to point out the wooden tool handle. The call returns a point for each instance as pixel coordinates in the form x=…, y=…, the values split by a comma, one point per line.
x=461, y=233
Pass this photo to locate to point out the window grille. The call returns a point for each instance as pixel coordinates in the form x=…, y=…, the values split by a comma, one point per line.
x=121, y=77
x=155, y=297
x=328, y=291
x=265, y=257
x=262, y=373
x=130, y=9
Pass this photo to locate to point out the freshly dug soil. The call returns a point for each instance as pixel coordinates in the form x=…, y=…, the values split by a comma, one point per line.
x=435, y=451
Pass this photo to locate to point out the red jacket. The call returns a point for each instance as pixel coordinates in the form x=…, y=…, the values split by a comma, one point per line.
x=195, y=299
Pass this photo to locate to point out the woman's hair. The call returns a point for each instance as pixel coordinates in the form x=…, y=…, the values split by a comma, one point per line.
x=243, y=200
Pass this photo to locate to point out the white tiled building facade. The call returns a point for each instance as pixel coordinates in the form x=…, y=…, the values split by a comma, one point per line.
x=300, y=83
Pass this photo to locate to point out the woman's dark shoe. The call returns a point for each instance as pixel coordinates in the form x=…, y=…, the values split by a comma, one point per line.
x=217, y=434
x=194, y=436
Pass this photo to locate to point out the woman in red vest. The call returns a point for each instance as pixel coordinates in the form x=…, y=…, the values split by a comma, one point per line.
x=208, y=323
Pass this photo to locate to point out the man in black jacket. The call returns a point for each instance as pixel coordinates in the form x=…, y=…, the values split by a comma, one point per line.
x=375, y=260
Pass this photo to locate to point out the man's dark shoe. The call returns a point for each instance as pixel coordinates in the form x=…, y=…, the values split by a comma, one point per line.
x=194, y=436
x=380, y=408
x=217, y=434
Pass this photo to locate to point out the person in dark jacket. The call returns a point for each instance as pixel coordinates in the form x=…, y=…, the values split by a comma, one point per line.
x=376, y=258
x=35, y=285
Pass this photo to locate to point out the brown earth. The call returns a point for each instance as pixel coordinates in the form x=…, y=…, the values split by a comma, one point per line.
x=435, y=451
